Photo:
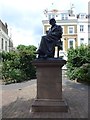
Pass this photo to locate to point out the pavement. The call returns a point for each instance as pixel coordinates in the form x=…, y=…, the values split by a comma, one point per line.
x=17, y=99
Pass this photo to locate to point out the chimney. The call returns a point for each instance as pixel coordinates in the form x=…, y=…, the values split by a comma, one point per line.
x=6, y=25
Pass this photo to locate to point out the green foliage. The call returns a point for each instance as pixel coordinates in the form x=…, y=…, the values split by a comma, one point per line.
x=78, y=64
x=17, y=65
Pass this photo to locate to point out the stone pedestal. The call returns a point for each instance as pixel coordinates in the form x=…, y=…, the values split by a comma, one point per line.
x=49, y=86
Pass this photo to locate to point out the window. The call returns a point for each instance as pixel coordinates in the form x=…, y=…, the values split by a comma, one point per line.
x=6, y=45
x=71, y=29
x=53, y=15
x=64, y=16
x=88, y=28
x=81, y=28
x=71, y=43
x=81, y=41
x=82, y=16
x=49, y=16
x=2, y=46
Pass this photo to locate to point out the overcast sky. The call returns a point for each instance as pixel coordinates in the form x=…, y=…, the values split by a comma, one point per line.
x=24, y=17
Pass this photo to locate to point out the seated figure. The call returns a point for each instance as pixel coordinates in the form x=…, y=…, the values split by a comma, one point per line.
x=48, y=42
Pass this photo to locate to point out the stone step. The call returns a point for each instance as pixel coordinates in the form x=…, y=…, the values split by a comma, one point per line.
x=49, y=105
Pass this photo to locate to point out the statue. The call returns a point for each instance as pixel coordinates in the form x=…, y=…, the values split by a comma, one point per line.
x=48, y=42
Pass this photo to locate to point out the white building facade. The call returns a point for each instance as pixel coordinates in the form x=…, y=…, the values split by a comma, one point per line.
x=6, y=43
x=83, y=29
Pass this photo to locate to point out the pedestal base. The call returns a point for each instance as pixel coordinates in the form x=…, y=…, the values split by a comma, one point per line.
x=49, y=105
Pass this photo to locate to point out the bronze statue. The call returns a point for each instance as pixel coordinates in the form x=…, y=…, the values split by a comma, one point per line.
x=48, y=42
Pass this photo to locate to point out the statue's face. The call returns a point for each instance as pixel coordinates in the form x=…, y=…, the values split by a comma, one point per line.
x=52, y=22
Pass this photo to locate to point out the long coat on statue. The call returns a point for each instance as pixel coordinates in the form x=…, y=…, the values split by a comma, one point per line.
x=47, y=45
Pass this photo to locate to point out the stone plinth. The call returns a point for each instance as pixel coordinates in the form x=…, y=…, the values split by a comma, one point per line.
x=49, y=86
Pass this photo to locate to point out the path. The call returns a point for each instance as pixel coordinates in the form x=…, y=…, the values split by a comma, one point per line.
x=17, y=99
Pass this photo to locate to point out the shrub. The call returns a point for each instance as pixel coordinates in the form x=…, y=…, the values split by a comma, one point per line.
x=78, y=64
x=17, y=65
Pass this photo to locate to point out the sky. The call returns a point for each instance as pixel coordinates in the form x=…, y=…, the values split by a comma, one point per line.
x=24, y=17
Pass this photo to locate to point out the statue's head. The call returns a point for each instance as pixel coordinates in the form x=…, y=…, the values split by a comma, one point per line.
x=52, y=21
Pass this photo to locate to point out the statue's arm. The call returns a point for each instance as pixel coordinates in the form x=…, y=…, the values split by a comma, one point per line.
x=57, y=31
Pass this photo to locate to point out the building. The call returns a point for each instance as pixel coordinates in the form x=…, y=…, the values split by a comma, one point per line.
x=75, y=27
x=82, y=28
x=6, y=43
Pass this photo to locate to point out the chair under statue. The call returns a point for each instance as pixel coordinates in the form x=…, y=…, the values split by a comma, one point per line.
x=59, y=47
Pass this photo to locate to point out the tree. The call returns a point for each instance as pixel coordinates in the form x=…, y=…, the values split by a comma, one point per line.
x=17, y=65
